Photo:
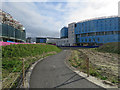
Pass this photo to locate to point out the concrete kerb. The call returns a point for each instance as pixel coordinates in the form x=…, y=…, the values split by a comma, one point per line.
x=28, y=74
x=90, y=78
x=101, y=83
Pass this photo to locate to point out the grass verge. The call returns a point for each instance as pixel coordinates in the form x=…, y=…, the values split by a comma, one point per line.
x=113, y=47
x=12, y=56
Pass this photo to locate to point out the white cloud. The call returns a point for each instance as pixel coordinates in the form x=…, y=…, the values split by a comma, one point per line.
x=91, y=9
x=24, y=0
x=48, y=19
x=34, y=22
x=40, y=0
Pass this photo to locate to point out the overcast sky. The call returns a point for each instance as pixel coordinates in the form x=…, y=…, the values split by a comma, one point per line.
x=47, y=17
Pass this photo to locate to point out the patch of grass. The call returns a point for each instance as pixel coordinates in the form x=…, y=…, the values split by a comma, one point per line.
x=12, y=64
x=115, y=81
x=77, y=62
x=93, y=72
x=24, y=50
x=103, y=77
x=12, y=56
x=110, y=48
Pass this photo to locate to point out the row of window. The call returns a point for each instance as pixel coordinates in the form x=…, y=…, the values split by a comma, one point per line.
x=81, y=29
x=108, y=21
x=96, y=40
x=98, y=33
x=97, y=25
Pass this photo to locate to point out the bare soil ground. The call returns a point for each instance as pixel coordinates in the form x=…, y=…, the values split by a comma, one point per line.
x=106, y=62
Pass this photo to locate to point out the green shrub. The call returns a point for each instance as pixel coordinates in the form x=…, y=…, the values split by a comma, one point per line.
x=115, y=81
x=103, y=77
x=94, y=73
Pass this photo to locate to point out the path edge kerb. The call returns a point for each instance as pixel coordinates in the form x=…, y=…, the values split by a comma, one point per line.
x=90, y=78
x=28, y=74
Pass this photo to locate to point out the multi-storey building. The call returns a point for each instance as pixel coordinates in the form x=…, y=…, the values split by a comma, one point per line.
x=71, y=34
x=62, y=42
x=40, y=40
x=64, y=32
x=11, y=29
x=93, y=32
x=97, y=31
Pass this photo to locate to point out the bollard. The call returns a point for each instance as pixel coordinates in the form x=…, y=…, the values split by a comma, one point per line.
x=23, y=71
x=87, y=64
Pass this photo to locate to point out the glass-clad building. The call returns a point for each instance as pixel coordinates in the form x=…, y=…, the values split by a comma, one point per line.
x=10, y=29
x=97, y=31
x=9, y=33
x=40, y=40
x=64, y=32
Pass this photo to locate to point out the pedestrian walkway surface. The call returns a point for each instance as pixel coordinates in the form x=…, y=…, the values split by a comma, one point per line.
x=52, y=72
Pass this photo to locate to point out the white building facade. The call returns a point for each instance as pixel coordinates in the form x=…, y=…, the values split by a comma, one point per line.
x=71, y=34
x=62, y=42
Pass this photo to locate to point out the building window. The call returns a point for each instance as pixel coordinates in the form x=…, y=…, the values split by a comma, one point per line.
x=110, y=24
x=112, y=32
x=75, y=25
x=110, y=21
x=102, y=33
x=82, y=40
x=89, y=39
x=108, y=39
x=98, y=39
x=105, y=33
x=97, y=33
x=118, y=32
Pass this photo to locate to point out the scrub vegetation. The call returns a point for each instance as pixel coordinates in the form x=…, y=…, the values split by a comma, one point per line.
x=79, y=61
x=103, y=61
x=13, y=56
x=110, y=48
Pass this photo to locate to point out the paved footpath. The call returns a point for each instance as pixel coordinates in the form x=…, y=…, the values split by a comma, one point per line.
x=52, y=72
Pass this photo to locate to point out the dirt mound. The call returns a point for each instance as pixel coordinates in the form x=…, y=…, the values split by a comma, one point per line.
x=110, y=47
x=105, y=63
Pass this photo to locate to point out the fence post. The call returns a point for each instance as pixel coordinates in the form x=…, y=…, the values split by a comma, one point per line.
x=87, y=64
x=23, y=71
x=43, y=54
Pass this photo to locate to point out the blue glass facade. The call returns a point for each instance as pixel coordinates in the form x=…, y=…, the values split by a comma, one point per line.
x=64, y=32
x=98, y=31
x=40, y=40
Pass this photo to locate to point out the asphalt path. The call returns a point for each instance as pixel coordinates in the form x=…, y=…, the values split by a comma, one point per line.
x=52, y=72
